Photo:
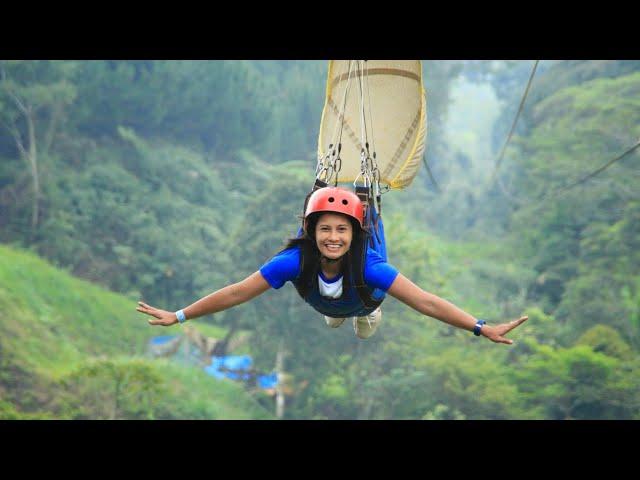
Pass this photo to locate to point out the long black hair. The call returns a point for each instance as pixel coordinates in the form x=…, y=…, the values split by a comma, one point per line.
x=307, y=242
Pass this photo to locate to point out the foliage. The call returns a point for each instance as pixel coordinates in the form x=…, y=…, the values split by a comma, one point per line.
x=71, y=350
x=167, y=180
x=578, y=383
x=113, y=389
x=586, y=258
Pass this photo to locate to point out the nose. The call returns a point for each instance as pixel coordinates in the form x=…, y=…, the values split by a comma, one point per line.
x=333, y=235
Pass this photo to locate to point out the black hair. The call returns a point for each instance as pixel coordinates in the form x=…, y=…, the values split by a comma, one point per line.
x=307, y=241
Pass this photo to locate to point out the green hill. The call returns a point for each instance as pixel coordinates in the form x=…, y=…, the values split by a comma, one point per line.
x=71, y=349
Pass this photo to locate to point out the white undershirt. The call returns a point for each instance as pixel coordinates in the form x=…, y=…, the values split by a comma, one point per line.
x=331, y=289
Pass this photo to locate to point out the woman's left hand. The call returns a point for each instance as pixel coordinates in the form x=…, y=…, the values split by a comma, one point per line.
x=496, y=333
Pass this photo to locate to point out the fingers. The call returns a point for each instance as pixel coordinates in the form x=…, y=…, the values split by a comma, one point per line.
x=501, y=339
x=148, y=309
x=154, y=312
x=510, y=326
x=143, y=307
x=159, y=322
x=519, y=320
x=515, y=323
x=161, y=317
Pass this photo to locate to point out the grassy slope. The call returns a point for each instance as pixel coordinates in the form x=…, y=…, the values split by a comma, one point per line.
x=53, y=323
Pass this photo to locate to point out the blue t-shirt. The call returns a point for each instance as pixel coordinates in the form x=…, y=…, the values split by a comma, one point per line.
x=378, y=275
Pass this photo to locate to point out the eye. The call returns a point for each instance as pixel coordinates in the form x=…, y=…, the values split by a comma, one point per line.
x=345, y=202
x=331, y=199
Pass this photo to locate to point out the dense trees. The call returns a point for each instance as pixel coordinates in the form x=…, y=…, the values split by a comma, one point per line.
x=167, y=180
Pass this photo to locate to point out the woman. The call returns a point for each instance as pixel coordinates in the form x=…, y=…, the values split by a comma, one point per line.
x=323, y=265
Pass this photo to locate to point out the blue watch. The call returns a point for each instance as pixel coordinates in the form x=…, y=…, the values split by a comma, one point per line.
x=476, y=329
x=180, y=316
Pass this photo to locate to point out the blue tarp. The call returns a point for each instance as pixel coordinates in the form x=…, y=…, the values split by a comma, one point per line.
x=235, y=367
x=162, y=339
x=220, y=367
x=268, y=381
x=238, y=367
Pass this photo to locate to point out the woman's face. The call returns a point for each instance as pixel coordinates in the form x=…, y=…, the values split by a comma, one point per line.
x=333, y=235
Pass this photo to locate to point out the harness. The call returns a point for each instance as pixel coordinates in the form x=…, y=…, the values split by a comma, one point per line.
x=369, y=192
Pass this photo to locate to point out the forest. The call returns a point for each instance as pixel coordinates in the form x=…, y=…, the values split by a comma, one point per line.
x=164, y=181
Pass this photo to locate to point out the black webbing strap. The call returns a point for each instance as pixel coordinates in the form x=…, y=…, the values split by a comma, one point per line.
x=319, y=184
x=359, y=259
x=308, y=270
x=360, y=253
x=363, y=194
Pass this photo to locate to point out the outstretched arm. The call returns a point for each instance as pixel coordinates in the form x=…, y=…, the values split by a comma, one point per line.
x=225, y=298
x=433, y=306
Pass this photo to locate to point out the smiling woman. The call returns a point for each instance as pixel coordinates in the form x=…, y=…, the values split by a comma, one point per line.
x=332, y=264
x=338, y=268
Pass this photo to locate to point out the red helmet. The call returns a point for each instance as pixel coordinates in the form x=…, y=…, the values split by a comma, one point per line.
x=335, y=199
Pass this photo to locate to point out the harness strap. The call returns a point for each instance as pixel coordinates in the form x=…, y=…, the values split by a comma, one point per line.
x=308, y=270
x=359, y=259
x=364, y=195
x=319, y=184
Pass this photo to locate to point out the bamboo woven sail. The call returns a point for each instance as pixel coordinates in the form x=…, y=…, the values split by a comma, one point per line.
x=395, y=116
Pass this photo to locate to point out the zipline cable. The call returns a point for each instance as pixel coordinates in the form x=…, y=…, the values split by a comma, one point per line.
x=561, y=190
x=433, y=180
x=513, y=126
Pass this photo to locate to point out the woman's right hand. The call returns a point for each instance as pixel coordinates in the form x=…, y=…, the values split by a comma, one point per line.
x=164, y=318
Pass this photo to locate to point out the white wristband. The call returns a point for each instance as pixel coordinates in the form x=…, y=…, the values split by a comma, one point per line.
x=180, y=316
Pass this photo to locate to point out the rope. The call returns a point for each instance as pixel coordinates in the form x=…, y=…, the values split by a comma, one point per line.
x=375, y=172
x=363, y=131
x=366, y=163
x=373, y=143
x=513, y=126
x=344, y=108
x=340, y=120
x=331, y=164
x=363, y=121
x=561, y=190
x=433, y=180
